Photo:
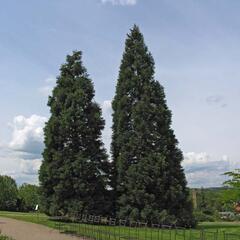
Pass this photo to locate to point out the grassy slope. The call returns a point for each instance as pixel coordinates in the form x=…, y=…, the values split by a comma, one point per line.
x=143, y=233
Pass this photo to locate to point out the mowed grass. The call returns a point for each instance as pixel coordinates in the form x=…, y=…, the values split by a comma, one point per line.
x=211, y=230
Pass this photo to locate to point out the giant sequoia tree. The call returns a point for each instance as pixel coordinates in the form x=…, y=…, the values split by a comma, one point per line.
x=74, y=172
x=148, y=179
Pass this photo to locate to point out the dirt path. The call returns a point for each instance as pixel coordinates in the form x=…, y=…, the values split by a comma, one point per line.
x=29, y=231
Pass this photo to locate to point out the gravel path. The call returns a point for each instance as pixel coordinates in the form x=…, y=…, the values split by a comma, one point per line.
x=20, y=230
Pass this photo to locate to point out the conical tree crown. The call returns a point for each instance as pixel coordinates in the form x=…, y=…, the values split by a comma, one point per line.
x=149, y=180
x=74, y=173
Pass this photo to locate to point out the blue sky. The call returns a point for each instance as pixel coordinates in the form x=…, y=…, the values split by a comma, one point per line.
x=195, y=45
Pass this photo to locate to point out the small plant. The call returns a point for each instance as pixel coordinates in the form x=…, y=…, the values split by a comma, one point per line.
x=4, y=237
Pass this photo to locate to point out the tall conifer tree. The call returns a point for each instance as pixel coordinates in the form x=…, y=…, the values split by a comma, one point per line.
x=74, y=172
x=149, y=181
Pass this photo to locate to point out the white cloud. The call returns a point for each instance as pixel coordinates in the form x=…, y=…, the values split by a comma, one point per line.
x=107, y=114
x=46, y=90
x=195, y=158
x=30, y=167
x=51, y=80
x=121, y=2
x=204, y=170
x=28, y=134
x=18, y=167
x=21, y=157
x=216, y=100
x=49, y=84
x=107, y=107
x=205, y=179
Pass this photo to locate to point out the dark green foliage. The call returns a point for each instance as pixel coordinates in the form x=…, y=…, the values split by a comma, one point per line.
x=230, y=197
x=8, y=193
x=74, y=173
x=232, y=194
x=208, y=205
x=212, y=201
x=148, y=179
x=234, y=181
x=28, y=196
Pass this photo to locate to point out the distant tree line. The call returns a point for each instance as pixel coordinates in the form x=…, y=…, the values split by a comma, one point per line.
x=14, y=198
x=210, y=202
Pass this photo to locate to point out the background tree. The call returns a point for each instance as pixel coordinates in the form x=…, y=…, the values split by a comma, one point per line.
x=148, y=179
x=232, y=193
x=234, y=181
x=74, y=172
x=209, y=204
x=8, y=193
x=28, y=196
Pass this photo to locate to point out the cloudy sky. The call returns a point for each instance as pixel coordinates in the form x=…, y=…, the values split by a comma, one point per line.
x=195, y=45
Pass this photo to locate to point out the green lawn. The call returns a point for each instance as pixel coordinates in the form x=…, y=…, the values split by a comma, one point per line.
x=204, y=231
